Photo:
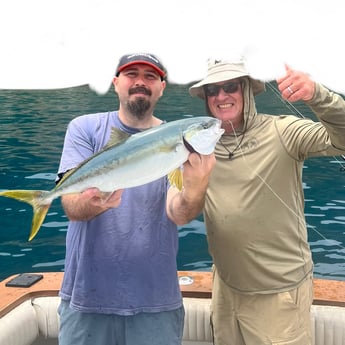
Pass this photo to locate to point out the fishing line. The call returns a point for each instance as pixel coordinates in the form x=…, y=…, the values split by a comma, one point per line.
x=294, y=110
x=301, y=219
x=342, y=166
x=262, y=179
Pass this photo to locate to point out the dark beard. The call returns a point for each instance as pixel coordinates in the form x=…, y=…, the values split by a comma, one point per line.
x=138, y=107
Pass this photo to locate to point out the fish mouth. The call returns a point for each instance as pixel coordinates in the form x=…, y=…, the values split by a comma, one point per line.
x=188, y=146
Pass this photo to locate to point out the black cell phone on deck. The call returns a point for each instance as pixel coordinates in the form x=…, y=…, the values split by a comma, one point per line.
x=24, y=280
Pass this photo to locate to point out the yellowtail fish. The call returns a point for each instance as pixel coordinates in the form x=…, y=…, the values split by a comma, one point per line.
x=129, y=161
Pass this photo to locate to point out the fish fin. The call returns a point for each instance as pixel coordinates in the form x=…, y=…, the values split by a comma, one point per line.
x=117, y=137
x=176, y=178
x=65, y=175
x=34, y=198
x=40, y=212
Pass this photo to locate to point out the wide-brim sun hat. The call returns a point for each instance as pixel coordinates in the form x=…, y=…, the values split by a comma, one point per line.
x=219, y=71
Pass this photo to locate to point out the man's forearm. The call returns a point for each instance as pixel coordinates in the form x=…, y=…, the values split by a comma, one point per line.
x=77, y=208
x=183, y=208
x=89, y=204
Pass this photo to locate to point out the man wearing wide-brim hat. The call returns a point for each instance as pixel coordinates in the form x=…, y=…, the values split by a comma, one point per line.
x=254, y=207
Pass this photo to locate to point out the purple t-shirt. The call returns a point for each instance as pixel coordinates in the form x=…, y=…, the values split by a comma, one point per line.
x=124, y=260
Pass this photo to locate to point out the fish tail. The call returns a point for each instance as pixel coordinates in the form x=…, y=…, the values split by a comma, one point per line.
x=39, y=204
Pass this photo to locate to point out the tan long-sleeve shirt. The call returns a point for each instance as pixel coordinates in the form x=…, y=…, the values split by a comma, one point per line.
x=254, y=210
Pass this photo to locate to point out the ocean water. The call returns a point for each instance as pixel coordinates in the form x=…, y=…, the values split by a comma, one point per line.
x=33, y=124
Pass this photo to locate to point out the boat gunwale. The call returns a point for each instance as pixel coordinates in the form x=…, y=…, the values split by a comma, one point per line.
x=199, y=285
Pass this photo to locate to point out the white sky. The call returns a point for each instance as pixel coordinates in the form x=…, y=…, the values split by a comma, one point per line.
x=62, y=43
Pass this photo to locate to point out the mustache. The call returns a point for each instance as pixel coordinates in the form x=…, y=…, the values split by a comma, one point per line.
x=140, y=89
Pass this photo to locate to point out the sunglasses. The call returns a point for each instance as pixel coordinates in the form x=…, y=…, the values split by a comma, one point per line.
x=212, y=90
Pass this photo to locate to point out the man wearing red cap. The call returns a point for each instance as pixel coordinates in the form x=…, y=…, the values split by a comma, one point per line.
x=120, y=284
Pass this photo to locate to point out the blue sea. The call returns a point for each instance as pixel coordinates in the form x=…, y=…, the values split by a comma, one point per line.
x=33, y=124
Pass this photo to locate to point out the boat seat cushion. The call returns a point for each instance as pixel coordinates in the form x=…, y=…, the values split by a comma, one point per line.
x=197, y=321
x=47, y=316
x=38, y=319
x=328, y=324
x=19, y=327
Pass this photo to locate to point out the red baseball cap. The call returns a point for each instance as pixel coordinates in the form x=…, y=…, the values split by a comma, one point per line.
x=141, y=58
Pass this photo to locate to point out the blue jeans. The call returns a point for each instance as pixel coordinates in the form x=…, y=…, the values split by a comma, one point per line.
x=78, y=328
